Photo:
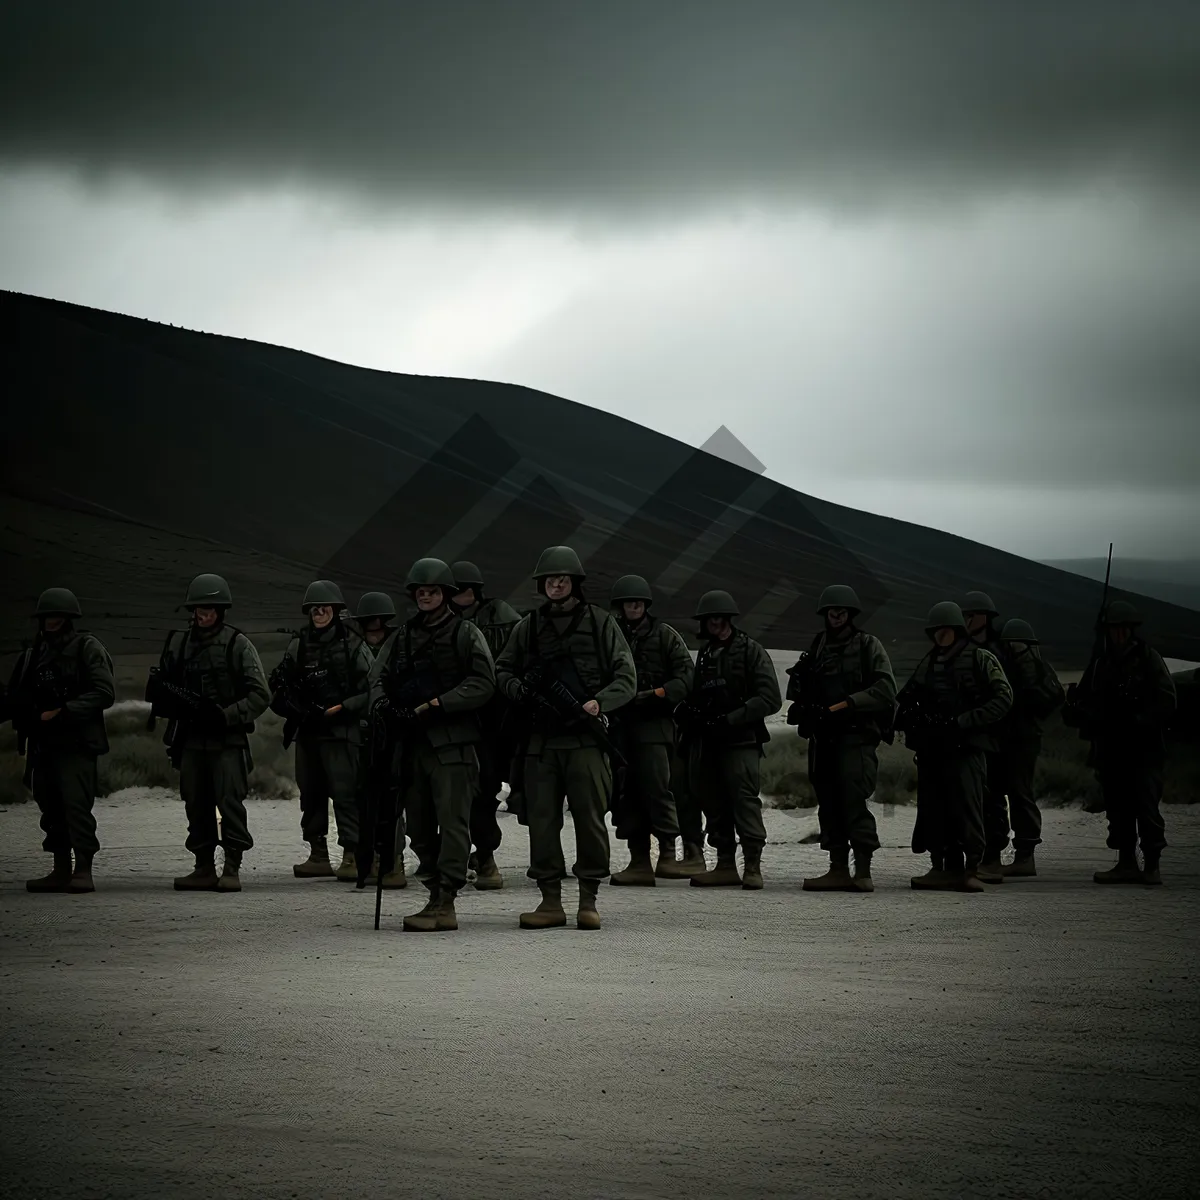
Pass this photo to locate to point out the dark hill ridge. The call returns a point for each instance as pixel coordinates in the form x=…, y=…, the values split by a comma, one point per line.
x=137, y=454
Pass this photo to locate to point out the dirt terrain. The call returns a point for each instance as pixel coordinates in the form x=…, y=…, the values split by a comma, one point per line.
x=1039, y=1040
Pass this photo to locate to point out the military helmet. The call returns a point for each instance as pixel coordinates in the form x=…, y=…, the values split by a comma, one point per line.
x=630, y=587
x=1016, y=630
x=979, y=602
x=1121, y=612
x=559, y=560
x=208, y=591
x=57, y=602
x=945, y=614
x=716, y=604
x=466, y=575
x=374, y=604
x=320, y=592
x=430, y=572
x=839, y=595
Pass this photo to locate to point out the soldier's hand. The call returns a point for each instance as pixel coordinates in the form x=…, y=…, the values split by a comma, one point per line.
x=49, y=716
x=592, y=708
x=333, y=712
x=840, y=706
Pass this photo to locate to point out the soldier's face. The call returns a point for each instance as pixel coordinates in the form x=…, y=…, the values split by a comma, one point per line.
x=835, y=618
x=717, y=627
x=945, y=637
x=465, y=598
x=206, y=618
x=975, y=621
x=53, y=624
x=558, y=587
x=1120, y=634
x=635, y=610
x=373, y=624
x=321, y=615
x=429, y=599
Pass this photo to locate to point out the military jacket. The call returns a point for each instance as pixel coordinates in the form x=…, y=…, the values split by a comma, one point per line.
x=336, y=665
x=495, y=619
x=662, y=660
x=1127, y=698
x=220, y=664
x=855, y=669
x=970, y=685
x=1036, y=690
x=743, y=671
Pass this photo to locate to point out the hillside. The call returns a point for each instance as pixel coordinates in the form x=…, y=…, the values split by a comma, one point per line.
x=1174, y=580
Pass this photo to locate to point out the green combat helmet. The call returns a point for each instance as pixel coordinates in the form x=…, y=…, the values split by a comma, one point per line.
x=945, y=614
x=559, y=560
x=839, y=595
x=1016, y=630
x=208, y=591
x=322, y=591
x=716, y=604
x=375, y=604
x=1121, y=612
x=57, y=602
x=630, y=587
x=979, y=602
x=466, y=575
x=430, y=572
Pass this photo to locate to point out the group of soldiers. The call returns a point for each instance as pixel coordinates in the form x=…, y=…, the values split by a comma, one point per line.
x=410, y=729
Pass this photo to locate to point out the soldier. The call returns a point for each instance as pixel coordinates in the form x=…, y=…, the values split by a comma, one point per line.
x=981, y=614
x=949, y=710
x=331, y=665
x=431, y=678
x=723, y=730
x=1036, y=694
x=495, y=619
x=664, y=678
x=852, y=693
x=1125, y=700
x=374, y=616
x=573, y=651
x=218, y=668
x=56, y=700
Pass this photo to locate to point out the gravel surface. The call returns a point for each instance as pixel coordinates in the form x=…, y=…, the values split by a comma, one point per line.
x=1038, y=1040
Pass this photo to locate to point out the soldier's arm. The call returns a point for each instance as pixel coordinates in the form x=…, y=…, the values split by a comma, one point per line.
x=479, y=685
x=99, y=691
x=764, y=699
x=511, y=662
x=1161, y=699
x=360, y=673
x=623, y=685
x=253, y=704
x=879, y=692
x=680, y=668
x=999, y=695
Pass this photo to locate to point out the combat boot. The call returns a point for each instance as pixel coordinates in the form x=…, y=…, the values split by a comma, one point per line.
x=317, y=864
x=587, y=917
x=991, y=870
x=968, y=879
x=487, y=875
x=203, y=876
x=1126, y=870
x=229, y=881
x=81, y=877
x=639, y=873
x=862, y=871
x=549, y=914
x=936, y=879
x=724, y=874
x=1021, y=867
x=395, y=879
x=668, y=866
x=1150, y=872
x=445, y=917
x=752, y=879
x=692, y=862
x=347, y=871
x=426, y=920
x=59, y=879
x=836, y=879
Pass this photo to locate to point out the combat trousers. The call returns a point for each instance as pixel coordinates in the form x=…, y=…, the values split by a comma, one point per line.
x=843, y=774
x=212, y=781
x=1132, y=787
x=726, y=779
x=995, y=805
x=1020, y=758
x=687, y=802
x=485, y=828
x=328, y=768
x=584, y=776
x=64, y=786
x=647, y=806
x=437, y=790
x=950, y=805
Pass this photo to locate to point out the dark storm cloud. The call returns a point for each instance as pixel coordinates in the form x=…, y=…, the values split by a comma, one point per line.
x=609, y=104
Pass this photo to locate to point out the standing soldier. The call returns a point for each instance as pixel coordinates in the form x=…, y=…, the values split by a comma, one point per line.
x=849, y=693
x=565, y=665
x=324, y=676
x=949, y=710
x=432, y=676
x=56, y=700
x=980, y=615
x=210, y=684
x=664, y=678
x=1036, y=694
x=723, y=731
x=495, y=619
x=1124, y=702
x=374, y=616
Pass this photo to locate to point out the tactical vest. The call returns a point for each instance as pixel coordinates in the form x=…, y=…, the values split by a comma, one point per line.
x=574, y=650
x=51, y=673
x=958, y=682
x=495, y=632
x=435, y=660
x=646, y=643
x=725, y=668
x=842, y=666
x=56, y=667
x=207, y=665
x=325, y=661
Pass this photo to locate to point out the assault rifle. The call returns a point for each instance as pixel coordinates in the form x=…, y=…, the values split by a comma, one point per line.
x=290, y=699
x=176, y=703
x=706, y=710
x=377, y=822
x=1072, y=715
x=556, y=707
x=922, y=720
x=807, y=712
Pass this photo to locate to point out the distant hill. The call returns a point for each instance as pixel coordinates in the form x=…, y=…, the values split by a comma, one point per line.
x=1174, y=580
x=136, y=454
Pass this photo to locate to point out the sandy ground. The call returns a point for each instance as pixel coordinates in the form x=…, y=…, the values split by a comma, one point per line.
x=1039, y=1040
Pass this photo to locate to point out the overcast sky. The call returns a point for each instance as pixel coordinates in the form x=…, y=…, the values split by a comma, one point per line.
x=935, y=260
